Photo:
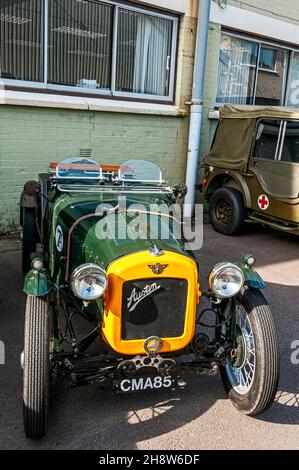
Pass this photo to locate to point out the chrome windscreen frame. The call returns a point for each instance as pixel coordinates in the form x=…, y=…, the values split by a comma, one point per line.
x=77, y=188
x=104, y=179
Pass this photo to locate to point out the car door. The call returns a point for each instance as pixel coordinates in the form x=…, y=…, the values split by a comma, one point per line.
x=275, y=157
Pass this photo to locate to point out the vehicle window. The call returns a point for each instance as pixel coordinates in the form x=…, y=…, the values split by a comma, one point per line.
x=267, y=139
x=290, y=148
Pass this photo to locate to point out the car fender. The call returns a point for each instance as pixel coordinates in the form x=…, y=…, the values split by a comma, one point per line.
x=219, y=178
x=27, y=200
x=37, y=283
x=251, y=277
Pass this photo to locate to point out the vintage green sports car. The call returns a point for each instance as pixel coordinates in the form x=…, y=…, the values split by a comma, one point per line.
x=136, y=292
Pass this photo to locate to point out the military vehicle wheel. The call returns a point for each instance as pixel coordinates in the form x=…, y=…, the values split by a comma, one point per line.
x=29, y=239
x=251, y=373
x=227, y=212
x=36, y=381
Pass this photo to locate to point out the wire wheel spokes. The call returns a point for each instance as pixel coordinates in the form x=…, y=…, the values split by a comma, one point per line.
x=241, y=371
x=223, y=211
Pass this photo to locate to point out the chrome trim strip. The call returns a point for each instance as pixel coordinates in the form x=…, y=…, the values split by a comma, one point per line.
x=118, y=189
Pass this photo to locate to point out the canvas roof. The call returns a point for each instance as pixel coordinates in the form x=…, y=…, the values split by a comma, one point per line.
x=255, y=112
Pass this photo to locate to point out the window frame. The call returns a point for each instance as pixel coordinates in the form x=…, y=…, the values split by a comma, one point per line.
x=260, y=121
x=262, y=43
x=100, y=92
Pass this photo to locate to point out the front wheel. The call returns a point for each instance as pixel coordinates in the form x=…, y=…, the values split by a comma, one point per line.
x=36, y=380
x=251, y=373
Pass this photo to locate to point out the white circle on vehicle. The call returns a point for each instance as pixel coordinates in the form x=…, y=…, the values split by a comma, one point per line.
x=59, y=238
x=263, y=202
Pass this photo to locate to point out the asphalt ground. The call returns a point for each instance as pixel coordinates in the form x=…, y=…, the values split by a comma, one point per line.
x=196, y=416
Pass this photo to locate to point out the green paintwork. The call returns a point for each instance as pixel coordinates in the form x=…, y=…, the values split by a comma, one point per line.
x=252, y=278
x=86, y=246
x=37, y=283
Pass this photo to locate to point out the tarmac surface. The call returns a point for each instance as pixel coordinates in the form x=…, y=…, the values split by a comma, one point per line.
x=198, y=416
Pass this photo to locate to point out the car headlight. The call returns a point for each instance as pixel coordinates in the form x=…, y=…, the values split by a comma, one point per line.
x=89, y=281
x=226, y=280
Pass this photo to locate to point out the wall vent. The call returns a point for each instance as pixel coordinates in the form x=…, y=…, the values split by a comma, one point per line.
x=85, y=152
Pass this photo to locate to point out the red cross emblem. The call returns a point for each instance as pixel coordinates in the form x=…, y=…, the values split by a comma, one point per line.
x=263, y=202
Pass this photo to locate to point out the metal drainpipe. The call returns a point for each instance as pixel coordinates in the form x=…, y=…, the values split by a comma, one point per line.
x=197, y=104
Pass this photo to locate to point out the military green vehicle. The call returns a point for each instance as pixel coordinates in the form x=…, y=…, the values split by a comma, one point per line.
x=136, y=296
x=252, y=170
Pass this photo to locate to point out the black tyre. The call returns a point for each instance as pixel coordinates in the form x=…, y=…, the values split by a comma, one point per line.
x=227, y=211
x=36, y=380
x=30, y=238
x=251, y=374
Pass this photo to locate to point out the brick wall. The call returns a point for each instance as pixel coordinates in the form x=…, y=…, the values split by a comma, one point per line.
x=30, y=138
x=185, y=60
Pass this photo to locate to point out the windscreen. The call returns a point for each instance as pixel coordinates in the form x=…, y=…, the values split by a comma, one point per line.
x=81, y=168
x=140, y=171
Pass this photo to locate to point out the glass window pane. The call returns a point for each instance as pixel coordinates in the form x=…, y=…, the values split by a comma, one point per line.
x=267, y=58
x=143, y=53
x=80, y=42
x=21, y=44
x=293, y=89
x=290, y=150
x=237, y=69
x=271, y=81
x=267, y=139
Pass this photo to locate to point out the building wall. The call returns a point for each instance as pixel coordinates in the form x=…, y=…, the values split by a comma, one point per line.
x=33, y=136
x=209, y=126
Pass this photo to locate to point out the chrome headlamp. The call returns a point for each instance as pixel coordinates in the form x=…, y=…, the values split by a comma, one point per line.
x=226, y=280
x=89, y=282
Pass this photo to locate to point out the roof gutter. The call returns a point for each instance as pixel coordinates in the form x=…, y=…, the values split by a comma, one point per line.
x=197, y=104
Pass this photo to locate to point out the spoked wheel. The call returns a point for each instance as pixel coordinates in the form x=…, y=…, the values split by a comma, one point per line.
x=251, y=373
x=36, y=382
x=240, y=368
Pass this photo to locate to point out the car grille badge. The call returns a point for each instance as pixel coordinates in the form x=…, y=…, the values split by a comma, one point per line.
x=158, y=268
x=152, y=345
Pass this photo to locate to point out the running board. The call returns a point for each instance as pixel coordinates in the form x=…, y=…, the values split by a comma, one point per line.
x=277, y=226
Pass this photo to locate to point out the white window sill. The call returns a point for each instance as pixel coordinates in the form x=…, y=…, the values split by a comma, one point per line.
x=45, y=100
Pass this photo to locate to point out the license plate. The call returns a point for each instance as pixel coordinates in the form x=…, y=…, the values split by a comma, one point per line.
x=144, y=383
